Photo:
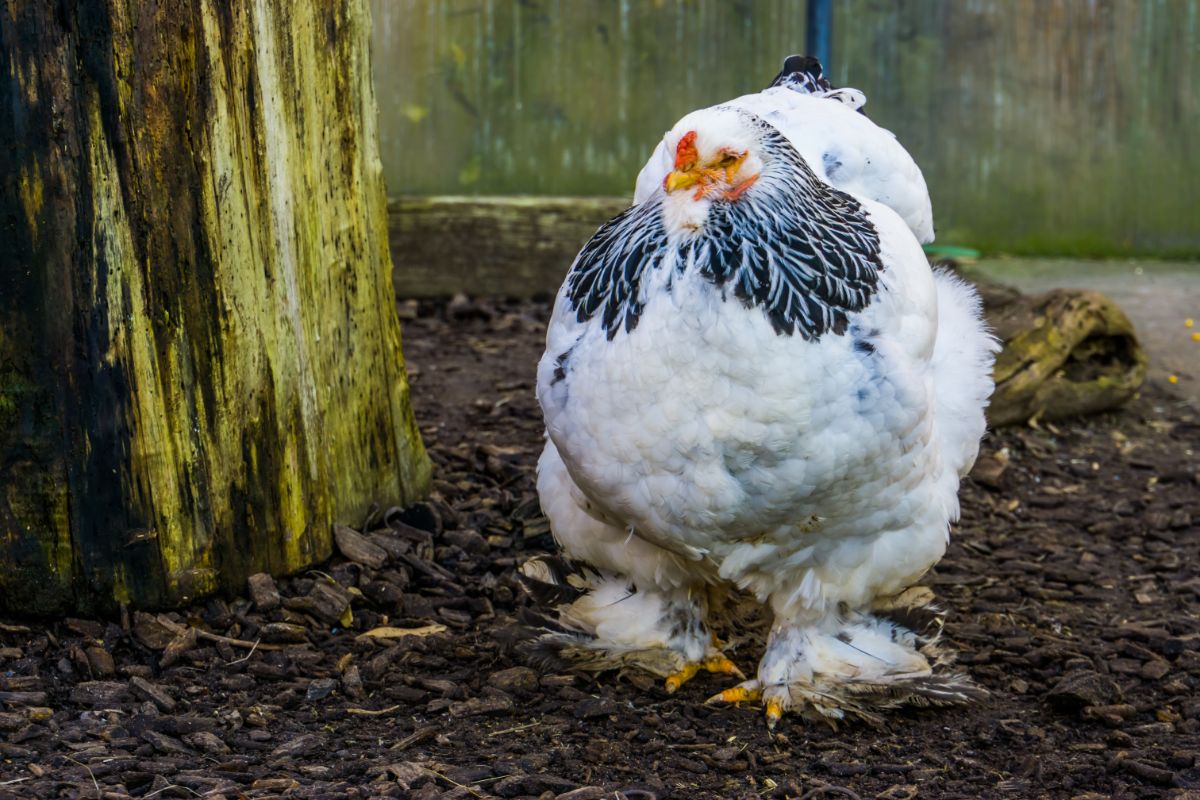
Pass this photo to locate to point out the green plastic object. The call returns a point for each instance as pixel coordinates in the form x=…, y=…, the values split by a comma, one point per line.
x=951, y=251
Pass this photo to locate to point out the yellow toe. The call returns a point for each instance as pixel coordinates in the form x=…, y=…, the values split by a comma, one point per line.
x=718, y=664
x=677, y=679
x=736, y=694
x=723, y=666
x=774, y=713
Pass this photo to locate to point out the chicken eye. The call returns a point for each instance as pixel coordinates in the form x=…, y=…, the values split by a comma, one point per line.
x=728, y=160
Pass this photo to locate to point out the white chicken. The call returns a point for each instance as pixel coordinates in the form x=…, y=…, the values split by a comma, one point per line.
x=752, y=379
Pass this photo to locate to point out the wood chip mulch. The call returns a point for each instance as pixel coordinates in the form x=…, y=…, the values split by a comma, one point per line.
x=1072, y=585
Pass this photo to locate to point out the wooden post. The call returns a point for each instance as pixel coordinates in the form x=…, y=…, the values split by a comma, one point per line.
x=200, y=365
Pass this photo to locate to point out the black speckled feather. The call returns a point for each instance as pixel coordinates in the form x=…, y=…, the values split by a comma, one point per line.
x=802, y=251
x=802, y=74
x=805, y=75
x=607, y=274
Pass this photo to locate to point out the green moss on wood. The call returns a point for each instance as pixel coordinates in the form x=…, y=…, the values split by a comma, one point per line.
x=209, y=222
x=1067, y=352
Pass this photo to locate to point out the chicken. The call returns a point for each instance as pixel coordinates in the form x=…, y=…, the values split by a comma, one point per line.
x=754, y=384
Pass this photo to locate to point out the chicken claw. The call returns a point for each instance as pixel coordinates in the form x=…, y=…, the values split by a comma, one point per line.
x=745, y=692
x=748, y=692
x=716, y=664
x=774, y=712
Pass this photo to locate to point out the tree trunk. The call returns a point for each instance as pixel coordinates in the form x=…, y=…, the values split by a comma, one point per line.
x=200, y=365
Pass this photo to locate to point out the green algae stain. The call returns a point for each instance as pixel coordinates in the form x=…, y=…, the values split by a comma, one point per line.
x=31, y=192
x=239, y=253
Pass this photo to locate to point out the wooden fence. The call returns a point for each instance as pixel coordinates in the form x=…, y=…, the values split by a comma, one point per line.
x=1043, y=126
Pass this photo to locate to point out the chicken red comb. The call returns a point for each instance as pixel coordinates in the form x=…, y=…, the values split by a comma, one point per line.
x=685, y=151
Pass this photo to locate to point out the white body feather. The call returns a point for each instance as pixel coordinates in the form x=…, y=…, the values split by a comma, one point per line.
x=718, y=441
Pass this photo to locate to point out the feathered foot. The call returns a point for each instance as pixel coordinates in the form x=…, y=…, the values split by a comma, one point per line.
x=855, y=664
x=601, y=622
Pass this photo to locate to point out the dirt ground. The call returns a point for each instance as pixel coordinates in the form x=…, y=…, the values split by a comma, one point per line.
x=1071, y=583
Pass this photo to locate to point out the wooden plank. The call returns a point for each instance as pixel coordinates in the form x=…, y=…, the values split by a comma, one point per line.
x=501, y=246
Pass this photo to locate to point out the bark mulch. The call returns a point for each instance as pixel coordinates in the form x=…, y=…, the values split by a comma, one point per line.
x=1071, y=583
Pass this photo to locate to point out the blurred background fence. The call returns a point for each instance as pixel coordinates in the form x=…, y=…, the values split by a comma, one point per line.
x=1064, y=127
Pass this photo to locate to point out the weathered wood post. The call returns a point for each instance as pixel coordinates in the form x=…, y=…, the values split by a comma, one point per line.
x=200, y=365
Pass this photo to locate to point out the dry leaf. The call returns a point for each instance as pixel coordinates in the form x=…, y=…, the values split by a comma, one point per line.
x=387, y=632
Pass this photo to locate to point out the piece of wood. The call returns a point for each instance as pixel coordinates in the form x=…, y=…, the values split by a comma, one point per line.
x=200, y=367
x=499, y=246
x=1065, y=353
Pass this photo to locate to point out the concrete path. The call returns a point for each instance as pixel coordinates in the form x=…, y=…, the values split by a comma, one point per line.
x=1159, y=297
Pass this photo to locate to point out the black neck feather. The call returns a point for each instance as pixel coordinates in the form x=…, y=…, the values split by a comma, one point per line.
x=802, y=251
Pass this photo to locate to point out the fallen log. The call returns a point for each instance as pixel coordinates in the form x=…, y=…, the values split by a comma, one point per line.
x=1067, y=352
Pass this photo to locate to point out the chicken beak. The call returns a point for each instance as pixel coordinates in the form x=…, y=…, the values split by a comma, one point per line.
x=680, y=180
